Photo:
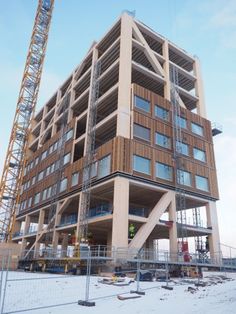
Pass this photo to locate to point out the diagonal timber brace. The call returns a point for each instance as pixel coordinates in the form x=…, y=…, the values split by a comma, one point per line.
x=153, y=218
x=148, y=51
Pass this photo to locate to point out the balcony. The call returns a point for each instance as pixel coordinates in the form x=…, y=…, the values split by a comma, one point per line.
x=101, y=210
x=68, y=220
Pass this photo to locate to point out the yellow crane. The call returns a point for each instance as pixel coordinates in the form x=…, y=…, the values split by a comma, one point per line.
x=12, y=174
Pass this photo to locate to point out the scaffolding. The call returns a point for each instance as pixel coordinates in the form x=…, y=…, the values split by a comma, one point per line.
x=16, y=154
x=178, y=160
x=89, y=156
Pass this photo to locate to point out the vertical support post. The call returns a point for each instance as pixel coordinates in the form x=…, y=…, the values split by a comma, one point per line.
x=125, y=72
x=201, y=108
x=214, y=237
x=167, y=70
x=120, y=221
x=173, y=231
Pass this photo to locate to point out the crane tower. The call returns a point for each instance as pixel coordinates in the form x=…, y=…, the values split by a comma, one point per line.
x=17, y=148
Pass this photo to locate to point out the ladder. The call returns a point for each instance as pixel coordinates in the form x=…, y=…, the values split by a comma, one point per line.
x=200, y=245
x=177, y=150
x=89, y=156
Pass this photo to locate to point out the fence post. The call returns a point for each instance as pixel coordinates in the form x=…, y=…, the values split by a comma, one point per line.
x=137, y=291
x=86, y=302
x=5, y=283
x=1, y=279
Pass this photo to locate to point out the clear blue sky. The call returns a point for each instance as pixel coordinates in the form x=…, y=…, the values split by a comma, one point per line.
x=206, y=28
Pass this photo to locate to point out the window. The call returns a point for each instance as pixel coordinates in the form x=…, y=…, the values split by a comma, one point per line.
x=184, y=177
x=66, y=159
x=197, y=129
x=48, y=170
x=33, y=180
x=142, y=164
x=164, y=171
x=199, y=154
x=75, y=179
x=69, y=135
x=63, y=185
x=40, y=175
x=50, y=149
x=52, y=167
x=44, y=195
x=104, y=166
x=49, y=192
x=55, y=146
x=36, y=161
x=44, y=155
x=36, y=198
x=202, y=183
x=30, y=202
x=161, y=113
x=182, y=148
x=163, y=140
x=182, y=122
x=141, y=132
x=141, y=103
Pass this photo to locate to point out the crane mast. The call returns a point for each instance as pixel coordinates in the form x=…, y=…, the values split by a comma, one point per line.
x=12, y=174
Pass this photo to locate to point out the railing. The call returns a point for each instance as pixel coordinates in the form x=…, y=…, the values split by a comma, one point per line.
x=101, y=210
x=68, y=220
x=124, y=255
x=141, y=212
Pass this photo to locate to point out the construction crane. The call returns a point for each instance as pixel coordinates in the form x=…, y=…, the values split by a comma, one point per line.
x=17, y=149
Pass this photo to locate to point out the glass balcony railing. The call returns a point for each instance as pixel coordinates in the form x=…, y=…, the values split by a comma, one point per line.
x=142, y=212
x=101, y=210
x=68, y=220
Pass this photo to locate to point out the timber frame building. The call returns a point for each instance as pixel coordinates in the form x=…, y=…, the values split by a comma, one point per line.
x=134, y=175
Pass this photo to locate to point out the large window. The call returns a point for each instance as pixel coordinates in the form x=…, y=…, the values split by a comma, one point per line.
x=199, y=154
x=161, y=113
x=63, y=185
x=104, y=166
x=197, y=129
x=202, y=183
x=141, y=103
x=33, y=180
x=164, y=171
x=142, y=164
x=141, y=132
x=182, y=148
x=30, y=202
x=66, y=159
x=40, y=175
x=36, y=198
x=75, y=179
x=44, y=155
x=182, y=122
x=69, y=135
x=44, y=197
x=162, y=140
x=184, y=177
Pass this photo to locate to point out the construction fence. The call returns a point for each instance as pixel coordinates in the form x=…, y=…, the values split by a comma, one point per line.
x=31, y=288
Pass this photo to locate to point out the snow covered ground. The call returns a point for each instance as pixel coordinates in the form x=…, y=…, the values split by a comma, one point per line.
x=38, y=290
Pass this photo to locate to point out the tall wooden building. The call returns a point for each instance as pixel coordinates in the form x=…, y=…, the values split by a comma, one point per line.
x=134, y=177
